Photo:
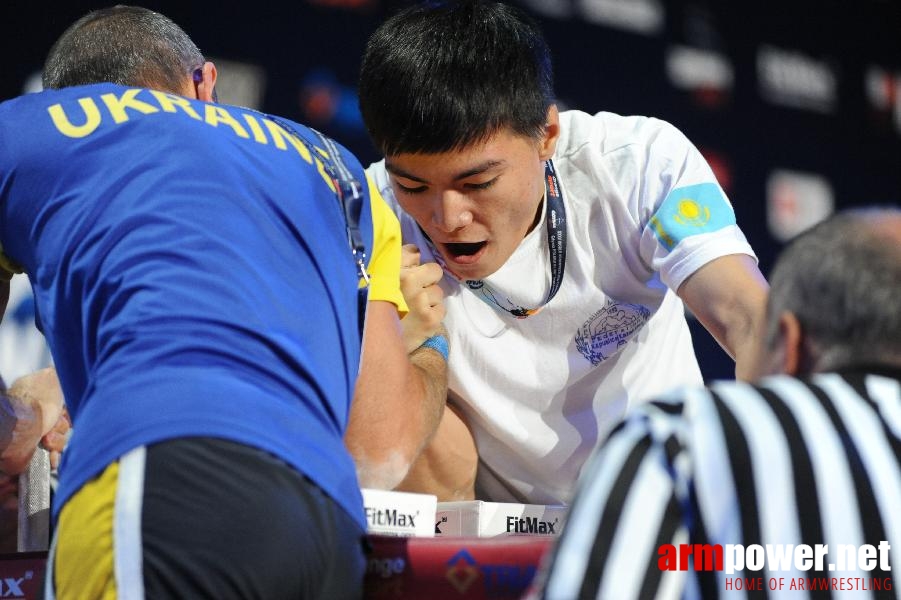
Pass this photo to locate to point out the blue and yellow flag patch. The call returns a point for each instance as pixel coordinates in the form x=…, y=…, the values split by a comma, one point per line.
x=689, y=211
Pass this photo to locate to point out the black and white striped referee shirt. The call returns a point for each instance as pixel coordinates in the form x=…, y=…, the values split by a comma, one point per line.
x=771, y=482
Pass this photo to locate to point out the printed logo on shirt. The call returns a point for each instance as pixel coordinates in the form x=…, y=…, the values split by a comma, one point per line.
x=135, y=103
x=608, y=330
x=689, y=211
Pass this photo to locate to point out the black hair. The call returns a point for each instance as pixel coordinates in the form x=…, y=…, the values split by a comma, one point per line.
x=128, y=45
x=441, y=76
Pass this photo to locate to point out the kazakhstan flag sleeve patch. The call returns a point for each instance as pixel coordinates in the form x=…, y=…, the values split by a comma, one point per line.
x=689, y=211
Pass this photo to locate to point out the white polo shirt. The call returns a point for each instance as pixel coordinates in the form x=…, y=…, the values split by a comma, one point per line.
x=643, y=213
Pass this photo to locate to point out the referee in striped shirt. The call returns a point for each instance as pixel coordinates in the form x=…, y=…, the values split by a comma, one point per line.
x=793, y=484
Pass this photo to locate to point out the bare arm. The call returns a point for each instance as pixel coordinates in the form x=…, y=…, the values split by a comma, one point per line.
x=728, y=296
x=31, y=409
x=398, y=401
x=425, y=446
x=400, y=391
x=447, y=467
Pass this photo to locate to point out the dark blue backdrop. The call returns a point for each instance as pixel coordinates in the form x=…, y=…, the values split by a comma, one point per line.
x=307, y=47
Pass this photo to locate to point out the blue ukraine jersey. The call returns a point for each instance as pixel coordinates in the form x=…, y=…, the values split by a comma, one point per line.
x=192, y=276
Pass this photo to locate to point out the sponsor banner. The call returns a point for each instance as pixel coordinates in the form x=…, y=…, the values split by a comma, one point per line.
x=706, y=74
x=452, y=568
x=22, y=575
x=790, y=78
x=490, y=519
x=796, y=201
x=399, y=513
x=636, y=16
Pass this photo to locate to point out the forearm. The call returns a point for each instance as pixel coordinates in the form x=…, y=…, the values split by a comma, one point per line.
x=398, y=402
x=430, y=382
x=745, y=355
x=447, y=466
x=389, y=430
x=736, y=331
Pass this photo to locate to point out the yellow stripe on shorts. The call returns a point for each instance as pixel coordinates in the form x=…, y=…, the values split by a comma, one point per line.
x=87, y=563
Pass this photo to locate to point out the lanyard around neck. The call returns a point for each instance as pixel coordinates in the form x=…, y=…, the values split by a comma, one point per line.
x=555, y=217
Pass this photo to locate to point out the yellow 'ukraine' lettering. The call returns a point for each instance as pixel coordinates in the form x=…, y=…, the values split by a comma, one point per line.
x=168, y=102
x=321, y=167
x=279, y=135
x=216, y=114
x=117, y=106
x=65, y=126
x=255, y=128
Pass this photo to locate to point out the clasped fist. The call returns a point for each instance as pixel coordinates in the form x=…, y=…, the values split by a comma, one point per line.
x=42, y=391
x=424, y=297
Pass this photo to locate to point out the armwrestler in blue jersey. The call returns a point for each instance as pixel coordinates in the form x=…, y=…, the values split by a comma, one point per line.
x=193, y=277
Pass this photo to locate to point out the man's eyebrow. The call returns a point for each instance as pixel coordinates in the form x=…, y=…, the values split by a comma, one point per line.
x=395, y=170
x=480, y=168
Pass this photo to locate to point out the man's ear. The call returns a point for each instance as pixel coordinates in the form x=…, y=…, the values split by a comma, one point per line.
x=206, y=87
x=551, y=133
x=792, y=344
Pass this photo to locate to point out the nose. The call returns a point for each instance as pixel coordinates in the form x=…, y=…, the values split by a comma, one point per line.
x=451, y=212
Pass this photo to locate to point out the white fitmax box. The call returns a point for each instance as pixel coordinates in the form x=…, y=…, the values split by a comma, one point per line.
x=490, y=519
x=399, y=513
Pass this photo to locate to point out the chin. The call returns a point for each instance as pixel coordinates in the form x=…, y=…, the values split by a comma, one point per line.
x=477, y=272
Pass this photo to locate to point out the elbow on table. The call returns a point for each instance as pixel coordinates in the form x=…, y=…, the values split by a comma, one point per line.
x=384, y=472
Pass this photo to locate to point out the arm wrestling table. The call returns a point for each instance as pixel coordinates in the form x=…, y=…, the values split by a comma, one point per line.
x=444, y=568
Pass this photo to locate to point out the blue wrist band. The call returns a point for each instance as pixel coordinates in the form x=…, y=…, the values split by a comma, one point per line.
x=437, y=343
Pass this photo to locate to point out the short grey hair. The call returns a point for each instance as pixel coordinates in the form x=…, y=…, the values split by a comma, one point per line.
x=841, y=279
x=128, y=45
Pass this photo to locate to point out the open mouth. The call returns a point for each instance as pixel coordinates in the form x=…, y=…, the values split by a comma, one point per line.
x=463, y=249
